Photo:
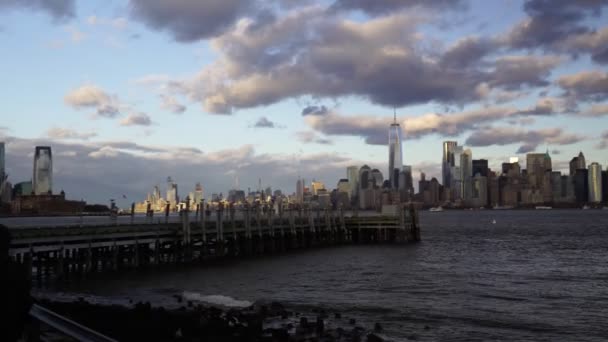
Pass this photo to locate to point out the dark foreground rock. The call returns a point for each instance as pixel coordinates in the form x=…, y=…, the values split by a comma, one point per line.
x=273, y=322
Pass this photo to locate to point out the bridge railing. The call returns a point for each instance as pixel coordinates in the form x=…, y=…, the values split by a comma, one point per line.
x=45, y=320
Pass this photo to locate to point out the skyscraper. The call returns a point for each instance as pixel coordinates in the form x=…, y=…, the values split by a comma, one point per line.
x=2, y=161
x=456, y=173
x=395, y=155
x=595, y=183
x=466, y=172
x=378, y=178
x=480, y=166
x=172, y=196
x=300, y=190
x=352, y=174
x=43, y=171
x=447, y=162
x=364, y=192
x=576, y=163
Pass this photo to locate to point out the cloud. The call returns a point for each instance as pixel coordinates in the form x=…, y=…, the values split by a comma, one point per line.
x=67, y=133
x=189, y=20
x=373, y=129
x=586, y=85
x=315, y=110
x=595, y=111
x=376, y=7
x=58, y=9
x=550, y=22
x=308, y=52
x=603, y=141
x=311, y=137
x=136, y=119
x=91, y=96
x=171, y=104
x=529, y=139
x=595, y=43
x=263, y=122
x=514, y=72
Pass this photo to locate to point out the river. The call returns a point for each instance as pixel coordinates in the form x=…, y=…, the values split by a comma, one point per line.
x=531, y=275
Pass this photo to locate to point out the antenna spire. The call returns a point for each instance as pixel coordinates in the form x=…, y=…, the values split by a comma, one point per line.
x=394, y=115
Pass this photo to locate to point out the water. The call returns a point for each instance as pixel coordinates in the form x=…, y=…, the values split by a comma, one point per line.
x=532, y=275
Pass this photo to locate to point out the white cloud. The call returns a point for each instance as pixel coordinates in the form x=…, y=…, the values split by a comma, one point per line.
x=136, y=119
x=67, y=133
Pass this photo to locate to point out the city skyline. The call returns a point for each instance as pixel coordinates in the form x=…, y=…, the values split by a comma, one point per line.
x=122, y=98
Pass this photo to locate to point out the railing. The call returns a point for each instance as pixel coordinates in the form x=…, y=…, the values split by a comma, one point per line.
x=64, y=326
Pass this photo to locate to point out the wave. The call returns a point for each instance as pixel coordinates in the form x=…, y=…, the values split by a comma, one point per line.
x=216, y=300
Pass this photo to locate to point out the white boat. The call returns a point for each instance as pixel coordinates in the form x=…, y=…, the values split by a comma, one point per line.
x=436, y=209
x=585, y=207
x=543, y=207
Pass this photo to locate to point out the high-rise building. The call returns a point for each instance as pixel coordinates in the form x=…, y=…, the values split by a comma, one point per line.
x=605, y=185
x=480, y=166
x=576, y=163
x=479, y=197
x=536, y=165
x=198, y=193
x=300, y=190
x=172, y=196
x=377, y=178
x=364, y=193
x=395, y=154
x=447, y=162
x=595, y=182
x=2, y=161
x=456, y=182
x=316, y=186
x=43, y=170
x=466, y=174
x=581, y=185
x=352, y=174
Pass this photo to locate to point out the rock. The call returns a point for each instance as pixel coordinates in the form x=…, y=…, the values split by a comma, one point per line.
x=374, y=338
x=377, y=327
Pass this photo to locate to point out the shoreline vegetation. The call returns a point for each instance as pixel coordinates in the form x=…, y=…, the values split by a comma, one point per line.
x=193, y=321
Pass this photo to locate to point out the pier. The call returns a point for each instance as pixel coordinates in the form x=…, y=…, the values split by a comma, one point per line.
x=63, y=251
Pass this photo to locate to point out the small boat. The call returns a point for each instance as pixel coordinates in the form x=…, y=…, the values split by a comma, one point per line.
x=436, y=209
x=585, y=207
x=543, y=207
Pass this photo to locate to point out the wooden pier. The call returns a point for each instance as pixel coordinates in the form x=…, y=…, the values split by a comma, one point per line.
x=60, y=252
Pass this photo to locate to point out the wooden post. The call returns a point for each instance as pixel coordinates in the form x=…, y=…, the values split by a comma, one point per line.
x=167, y=208
x=132, y=212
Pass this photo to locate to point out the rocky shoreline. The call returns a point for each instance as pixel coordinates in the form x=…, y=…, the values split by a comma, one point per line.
x=197, y=322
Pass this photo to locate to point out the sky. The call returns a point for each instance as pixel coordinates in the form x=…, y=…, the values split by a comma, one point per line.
x=227, y=92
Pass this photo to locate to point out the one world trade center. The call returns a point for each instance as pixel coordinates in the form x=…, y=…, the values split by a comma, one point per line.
x=395, y=157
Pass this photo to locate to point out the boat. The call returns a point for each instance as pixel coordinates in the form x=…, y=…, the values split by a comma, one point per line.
x=543, y=207
x=585, y=207
x=436, y=209
x=494, y=221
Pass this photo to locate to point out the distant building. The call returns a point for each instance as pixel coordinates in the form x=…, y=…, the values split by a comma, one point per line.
x=2, y=161
x=466, y=175
x=198, y=193
x=479, y=196
x=23, y=189
x=377, y=178
x=480, y=166
x=365, y=187
x=595, y=183
x=395, y=154
x=456, y=182
x=605, y=185
x=581, y=185
x=172, y=195
x=352, y=173
x=300, y=190
x=447, y=162
x=43, y=171
x=576, y=163
x=316, y=186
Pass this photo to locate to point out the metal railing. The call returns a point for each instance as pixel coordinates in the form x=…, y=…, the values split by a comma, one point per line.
x=65, y=326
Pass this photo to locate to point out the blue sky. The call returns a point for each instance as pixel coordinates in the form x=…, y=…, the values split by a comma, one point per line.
x=533, y=73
